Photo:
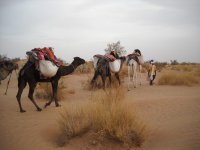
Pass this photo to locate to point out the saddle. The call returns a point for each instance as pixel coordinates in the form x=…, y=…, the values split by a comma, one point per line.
x=44, y=54
x=45, y=61
x=114, y=64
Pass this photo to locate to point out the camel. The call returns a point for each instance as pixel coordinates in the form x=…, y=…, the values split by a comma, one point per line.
x=134, y=61
x=6, y=68
x=103, y=69
x=31, y=76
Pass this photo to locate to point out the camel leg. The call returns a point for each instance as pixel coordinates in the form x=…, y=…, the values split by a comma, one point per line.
x=55, y=91
x=135, y=75
x=103, y=77
x=30, y=95
x=21, y=87
x=117, y=76
x=129, y=78
x=140, y=73
x=54, y=96
x=93, y=82
x=110, y=79
x=49, y=103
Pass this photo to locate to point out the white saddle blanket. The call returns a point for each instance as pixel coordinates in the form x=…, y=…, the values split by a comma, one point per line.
x=47, y=68
x=114, y=66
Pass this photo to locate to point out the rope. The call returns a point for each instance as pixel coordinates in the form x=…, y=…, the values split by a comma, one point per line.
x=16, y=72
x=8, y=83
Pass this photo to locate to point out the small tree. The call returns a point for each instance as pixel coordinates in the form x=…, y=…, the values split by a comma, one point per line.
x=174, y=62
x=115, y=47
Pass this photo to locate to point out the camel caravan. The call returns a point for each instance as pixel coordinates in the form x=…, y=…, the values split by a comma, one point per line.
x=43, y=66
x=106, y=64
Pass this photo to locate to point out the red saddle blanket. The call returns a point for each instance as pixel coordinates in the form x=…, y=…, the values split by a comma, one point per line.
x=46, y=54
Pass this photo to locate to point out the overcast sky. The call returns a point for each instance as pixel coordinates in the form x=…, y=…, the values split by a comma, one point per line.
x=163, y=30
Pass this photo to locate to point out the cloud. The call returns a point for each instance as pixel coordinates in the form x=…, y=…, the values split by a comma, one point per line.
x=84, y=27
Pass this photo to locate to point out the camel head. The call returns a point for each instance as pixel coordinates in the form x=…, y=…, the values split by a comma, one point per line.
x=123, y=58
x=9, y=65
x=78, y=61
x=137, y=51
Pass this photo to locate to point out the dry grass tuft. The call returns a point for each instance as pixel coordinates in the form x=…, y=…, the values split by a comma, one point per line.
x=72, y=91
x=185, y=68
x=44, y=91
x=173, y=78
x=197, y=71
x=104, y=115
x=85, y=68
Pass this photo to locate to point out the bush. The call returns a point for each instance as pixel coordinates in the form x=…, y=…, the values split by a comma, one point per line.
x=105, y=115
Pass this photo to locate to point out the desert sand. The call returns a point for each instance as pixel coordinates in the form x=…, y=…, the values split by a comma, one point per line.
x=171, y=113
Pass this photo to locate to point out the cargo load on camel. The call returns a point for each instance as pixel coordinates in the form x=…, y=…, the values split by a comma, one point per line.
x=45, y=61
x=114, y=64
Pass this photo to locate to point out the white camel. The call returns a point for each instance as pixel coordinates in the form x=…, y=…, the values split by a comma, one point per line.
x=134, y=61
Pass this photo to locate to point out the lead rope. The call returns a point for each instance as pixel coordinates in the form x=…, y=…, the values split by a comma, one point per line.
x=16, y=72
x=8, y=83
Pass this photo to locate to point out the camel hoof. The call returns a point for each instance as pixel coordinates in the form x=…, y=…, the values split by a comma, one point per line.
x=22, y=111
x=47, y=104
x=58, y=105
x=39, y=109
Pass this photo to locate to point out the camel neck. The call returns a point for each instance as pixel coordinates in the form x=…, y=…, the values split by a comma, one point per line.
x=73, y=66
x=65, y=70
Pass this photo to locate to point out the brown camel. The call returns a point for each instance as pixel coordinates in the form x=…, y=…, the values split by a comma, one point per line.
x=6, y=68
x=104, y=71
x=32, y=76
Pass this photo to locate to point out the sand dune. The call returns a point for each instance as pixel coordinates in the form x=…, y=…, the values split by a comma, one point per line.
x=172, y=114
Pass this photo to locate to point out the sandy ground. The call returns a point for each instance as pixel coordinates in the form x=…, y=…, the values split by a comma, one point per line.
x=172, y=114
